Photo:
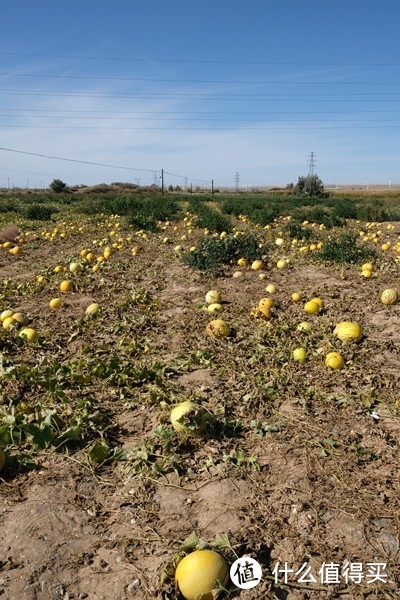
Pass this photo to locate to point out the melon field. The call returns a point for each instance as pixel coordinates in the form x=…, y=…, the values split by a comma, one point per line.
x=284, y=442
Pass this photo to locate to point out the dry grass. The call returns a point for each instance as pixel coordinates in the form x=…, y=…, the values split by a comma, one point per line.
x=9, y=233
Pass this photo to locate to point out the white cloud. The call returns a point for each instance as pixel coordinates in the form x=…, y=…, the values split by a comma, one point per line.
x=273, y=152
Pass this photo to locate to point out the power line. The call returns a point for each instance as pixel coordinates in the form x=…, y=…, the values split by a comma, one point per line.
x=255, y=97
x=167, y=80
x=214, y=128
x=219, y=119
x=85, y=162
x=202, y=61
x=185, y=177
x=74, y=160
x=187, y=112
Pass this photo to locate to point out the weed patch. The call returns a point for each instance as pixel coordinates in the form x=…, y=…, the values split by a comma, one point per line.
x=213, y=253
x=345, y=249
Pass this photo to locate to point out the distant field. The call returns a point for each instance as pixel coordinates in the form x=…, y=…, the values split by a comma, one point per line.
x=289, y=448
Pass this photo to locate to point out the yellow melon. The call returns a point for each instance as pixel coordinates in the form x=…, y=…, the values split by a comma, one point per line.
x=218, y=328
x=334, y=360
x=389, y=296
x=199, y=573
x=348, y=330
x=312, y=307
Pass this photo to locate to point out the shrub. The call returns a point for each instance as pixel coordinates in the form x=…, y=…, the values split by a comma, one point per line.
x=258, y=210
x=57, y=185
x=9, y=205
x=145, y=213
x=141, y=220
x=264, y=216
x=295, y=230
x=142, y=212
x=346, y=209
x=38, y=212
x=345, y=249
x=324, y=216
x=121, y=205
x=213, y=253
x=237, y=206
x=330, y=220
x=207, y=218
x=212, y=220
x=90, y=206
x=372, y=212
x=311, y=185
x=161, y=208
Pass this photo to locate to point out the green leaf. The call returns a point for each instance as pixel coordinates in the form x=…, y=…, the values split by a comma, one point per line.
x=26, y=461
x=41, y=437
x=330, y=442
x=167, y=574
x=5, y=437
x=99, y=451
x=49, y=417
x=222, y=541
x=190, y=543
x=72, y=434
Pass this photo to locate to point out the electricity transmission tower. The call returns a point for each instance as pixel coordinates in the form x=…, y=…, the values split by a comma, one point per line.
x=237, y=181
x=311, y=163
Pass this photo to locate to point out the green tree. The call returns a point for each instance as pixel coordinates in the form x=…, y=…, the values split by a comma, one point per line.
x=57, y=185
x=311, y=185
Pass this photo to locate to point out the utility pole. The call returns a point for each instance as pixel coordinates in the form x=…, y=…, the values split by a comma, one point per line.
x=311, y=163
x=162, y=182
x=237, y=181
x=212, y=187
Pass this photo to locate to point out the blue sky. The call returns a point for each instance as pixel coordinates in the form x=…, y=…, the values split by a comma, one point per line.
x=203, y=90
